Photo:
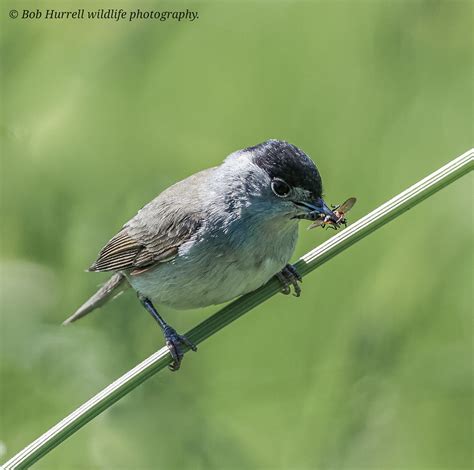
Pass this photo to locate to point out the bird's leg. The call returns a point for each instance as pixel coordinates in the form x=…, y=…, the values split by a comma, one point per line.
x=174, y=341
x=289, y=276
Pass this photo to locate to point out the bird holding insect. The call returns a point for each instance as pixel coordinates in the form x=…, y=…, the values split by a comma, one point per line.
x=218, y=234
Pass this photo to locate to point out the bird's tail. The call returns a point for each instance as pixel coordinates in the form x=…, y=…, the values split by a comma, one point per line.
x=114, y=286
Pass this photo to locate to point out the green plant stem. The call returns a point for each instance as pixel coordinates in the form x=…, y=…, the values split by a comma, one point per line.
x=160, y=359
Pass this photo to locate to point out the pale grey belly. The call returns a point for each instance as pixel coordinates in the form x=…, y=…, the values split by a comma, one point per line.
x=206, y=275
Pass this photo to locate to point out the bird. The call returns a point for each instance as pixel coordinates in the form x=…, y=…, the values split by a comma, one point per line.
x=214, y=236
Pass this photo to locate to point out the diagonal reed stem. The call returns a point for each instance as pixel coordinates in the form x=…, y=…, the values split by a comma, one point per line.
x=160, y=359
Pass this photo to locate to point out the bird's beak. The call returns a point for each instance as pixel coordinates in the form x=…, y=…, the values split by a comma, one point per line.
x=319, y=207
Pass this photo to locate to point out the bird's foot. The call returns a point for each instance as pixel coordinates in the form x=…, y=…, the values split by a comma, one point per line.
x=288, y=277
x=175, y=343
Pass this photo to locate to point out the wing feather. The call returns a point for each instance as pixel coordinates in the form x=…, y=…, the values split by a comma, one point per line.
x=155, y=234
x=142, y=250
x=119, y=253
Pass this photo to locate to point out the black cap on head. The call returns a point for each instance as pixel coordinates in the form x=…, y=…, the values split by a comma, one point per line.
x=287, y=162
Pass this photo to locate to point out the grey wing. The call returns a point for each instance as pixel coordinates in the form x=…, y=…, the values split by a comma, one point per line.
x=155, y=234
x=140, y=245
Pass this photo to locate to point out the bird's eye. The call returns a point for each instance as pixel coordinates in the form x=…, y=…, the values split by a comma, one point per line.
x=280, y=187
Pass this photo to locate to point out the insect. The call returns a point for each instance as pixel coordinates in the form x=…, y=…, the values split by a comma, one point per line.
x=339, y=210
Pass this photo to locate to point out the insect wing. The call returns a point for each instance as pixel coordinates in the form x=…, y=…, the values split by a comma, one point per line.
x=347, y=205
x=316, y=223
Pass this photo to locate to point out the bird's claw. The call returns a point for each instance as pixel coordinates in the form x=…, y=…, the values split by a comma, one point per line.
x=288, y=277
x=175, y=343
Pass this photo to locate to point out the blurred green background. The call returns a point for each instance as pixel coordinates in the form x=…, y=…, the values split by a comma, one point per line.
x=98, y=117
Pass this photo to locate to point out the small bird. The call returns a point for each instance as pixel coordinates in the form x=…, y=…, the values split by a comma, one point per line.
x=216, y=235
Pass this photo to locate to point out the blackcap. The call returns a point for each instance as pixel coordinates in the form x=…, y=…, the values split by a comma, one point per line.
x=215, y=235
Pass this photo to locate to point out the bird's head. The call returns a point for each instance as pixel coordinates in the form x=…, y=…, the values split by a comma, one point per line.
x=283, y=179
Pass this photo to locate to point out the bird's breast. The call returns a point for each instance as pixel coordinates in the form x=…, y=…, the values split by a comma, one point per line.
x=220, y=265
